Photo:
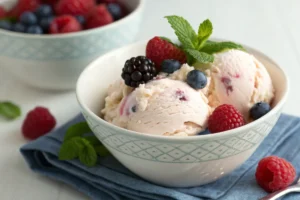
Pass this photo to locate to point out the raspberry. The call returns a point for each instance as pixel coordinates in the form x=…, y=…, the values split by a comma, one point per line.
x=225, y=117
x=23, y=6
x=75, y=7
x=64, y=24
x=138, y=70
x=99, y=17
x=38, y=122
x=2, y=12
x=274, y=173
x=159, y=50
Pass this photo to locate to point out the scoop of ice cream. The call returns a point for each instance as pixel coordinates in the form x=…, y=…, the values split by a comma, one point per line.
x=166, y=107
x=239, y=79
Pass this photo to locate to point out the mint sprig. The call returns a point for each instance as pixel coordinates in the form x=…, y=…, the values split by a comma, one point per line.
x=9, y=110
x=79, y=143
x=198, y=49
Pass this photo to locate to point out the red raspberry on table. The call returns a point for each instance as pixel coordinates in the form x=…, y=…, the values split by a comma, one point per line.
x=38, y=122
x=159, y=50
x=274, y=173
x=225, y=117
x=99, y=17
x=75, y=7
x=2, y=12
x=23, y=6
x=64, y=24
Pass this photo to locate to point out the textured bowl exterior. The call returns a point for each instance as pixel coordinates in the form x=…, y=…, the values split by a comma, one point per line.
x=180, y=163
x=56, y=62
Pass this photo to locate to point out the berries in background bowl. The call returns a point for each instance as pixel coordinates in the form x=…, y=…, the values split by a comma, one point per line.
x=6, y=25
x=64, y=24
x=196, y=79
x=259, y=109
x=99, y=17
x=28, y=18
x=225, y=117
x=74, y=7
x=23, y=6
x=3, y=12
x=115, y=10
x=138, y=70
x=19, y=27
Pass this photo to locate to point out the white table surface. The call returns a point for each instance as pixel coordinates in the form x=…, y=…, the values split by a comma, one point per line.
x=273, y=26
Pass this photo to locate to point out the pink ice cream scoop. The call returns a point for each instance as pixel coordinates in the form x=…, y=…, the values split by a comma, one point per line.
x=239, y=79
x=166, y=107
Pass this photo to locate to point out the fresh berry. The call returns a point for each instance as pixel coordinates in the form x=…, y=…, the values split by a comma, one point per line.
x=64, y=24
x=75, y=7
x=259, y=109
x=80, y=19
x=23, y=6
x=38, y=122
x=19, y=27
x=169, y=66
x=138, y=70
x=5, y=25
x=274, y=173
x=34, y=29
x=99, y=17
x=2, y=12
x=44, y=11
x=225, y=117
x=45, y=23
x=28, y=18
x=159, y=50
x=115, y=10
x=196, y=79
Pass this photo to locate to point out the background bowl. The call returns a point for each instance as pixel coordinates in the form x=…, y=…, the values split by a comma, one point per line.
x=173, y=161
x=56, y=61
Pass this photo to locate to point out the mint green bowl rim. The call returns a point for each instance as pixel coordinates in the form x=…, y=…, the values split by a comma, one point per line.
x=125, y=19
x=194, y=138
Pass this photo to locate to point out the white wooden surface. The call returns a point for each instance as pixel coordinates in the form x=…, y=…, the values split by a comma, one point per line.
x=273, y=26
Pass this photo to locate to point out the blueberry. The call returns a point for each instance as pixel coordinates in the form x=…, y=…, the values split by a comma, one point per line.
x=34, y=29
x=170, y=66
x=28, y=18
x=45, y=23
x=19, y=27
x=196, y=79
x=80, y=19
x=259, y=109
x=44, y=11
x=115, y=10
x=5, y=25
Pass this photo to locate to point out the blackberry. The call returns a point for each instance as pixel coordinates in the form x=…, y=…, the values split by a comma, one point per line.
x=138, y=70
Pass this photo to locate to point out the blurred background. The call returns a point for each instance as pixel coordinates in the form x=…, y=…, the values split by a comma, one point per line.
x=271, y=26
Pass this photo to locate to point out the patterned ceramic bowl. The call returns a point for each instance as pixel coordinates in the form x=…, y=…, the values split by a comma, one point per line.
x=56, y=61
x=173, y=161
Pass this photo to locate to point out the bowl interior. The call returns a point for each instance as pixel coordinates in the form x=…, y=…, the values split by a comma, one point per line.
x=94, y=81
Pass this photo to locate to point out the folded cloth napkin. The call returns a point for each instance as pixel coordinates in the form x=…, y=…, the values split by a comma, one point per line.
x=111, y=180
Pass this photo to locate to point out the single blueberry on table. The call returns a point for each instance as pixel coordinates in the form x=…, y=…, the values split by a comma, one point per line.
x=196, y=79
x=34, y=29
x=259, y=109
x=115, y=10
x=45, y=23
x=44, y=11
x=169, y=66
x=28, y=18
x=80, y=19
x=5, y=25
x=19, y=27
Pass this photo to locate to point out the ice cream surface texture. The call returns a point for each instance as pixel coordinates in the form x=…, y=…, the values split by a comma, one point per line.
x=239, y=79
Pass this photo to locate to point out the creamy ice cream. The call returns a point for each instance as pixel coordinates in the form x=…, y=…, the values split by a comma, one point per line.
x=239, y=79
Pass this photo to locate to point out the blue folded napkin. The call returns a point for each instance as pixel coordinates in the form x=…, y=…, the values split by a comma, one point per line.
x=111, y=180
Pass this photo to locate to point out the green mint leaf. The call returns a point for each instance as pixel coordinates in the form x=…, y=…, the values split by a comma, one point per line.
x=204, y=32
x=78, y=129
x=184, y=31
x=215, y=47
x=9, y=110
x=93, y=140
x=200, y=57
x=70, y=149
x=88, y=155
x=101, y=150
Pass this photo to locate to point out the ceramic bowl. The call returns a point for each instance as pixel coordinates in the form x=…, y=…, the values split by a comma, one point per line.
x=56, y=61
x=173, y=161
